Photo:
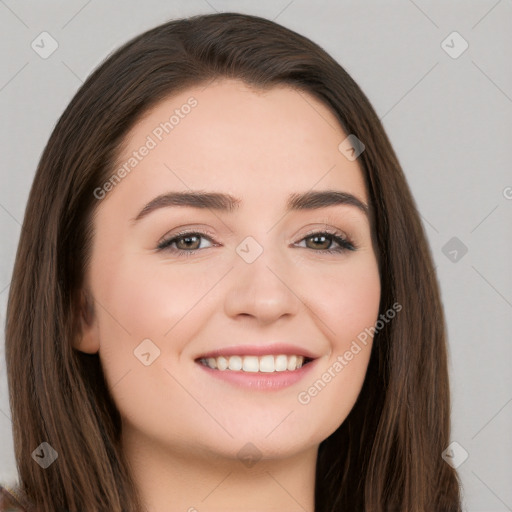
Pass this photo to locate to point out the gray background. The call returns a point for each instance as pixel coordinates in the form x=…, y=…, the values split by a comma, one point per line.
x=449, y=120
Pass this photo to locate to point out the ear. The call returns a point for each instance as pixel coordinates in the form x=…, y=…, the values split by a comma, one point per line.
x=86, y=338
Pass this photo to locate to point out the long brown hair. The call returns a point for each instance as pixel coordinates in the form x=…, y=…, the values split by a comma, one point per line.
x=386, y=456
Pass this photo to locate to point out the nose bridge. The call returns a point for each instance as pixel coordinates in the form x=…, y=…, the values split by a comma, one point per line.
x=261, y=282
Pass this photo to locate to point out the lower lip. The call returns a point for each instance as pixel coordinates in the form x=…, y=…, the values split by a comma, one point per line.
x=271, y=381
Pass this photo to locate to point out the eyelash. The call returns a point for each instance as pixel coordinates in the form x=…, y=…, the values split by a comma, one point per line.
x=344, y=243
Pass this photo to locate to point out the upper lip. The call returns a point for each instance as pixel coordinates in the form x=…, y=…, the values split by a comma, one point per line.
x=259, y=350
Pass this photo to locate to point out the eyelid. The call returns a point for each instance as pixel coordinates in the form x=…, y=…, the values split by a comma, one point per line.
x=335, y=233
x=325, y=229
x=186, y=231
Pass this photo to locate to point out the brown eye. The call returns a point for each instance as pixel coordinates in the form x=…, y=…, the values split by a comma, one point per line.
x=319, y=241
x=188, y=242
x=322, y=242
x=184, y=242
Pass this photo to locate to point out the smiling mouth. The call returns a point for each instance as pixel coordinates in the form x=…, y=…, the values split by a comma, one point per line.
x=255, y=364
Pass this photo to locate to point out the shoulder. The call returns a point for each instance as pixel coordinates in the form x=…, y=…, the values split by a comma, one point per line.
x=12, y=499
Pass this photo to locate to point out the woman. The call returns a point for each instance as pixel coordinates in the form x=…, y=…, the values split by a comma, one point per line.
x=297, y=361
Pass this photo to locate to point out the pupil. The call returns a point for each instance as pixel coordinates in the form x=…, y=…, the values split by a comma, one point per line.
x=319, y=238
x=189, y=239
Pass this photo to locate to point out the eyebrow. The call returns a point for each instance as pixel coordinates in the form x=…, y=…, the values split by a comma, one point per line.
x=311, y=200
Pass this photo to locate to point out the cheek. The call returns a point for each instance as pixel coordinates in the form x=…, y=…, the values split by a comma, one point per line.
x=347, y=302
x=139, y=302
x=146, y=301
x=142, y=302
x=347, y=299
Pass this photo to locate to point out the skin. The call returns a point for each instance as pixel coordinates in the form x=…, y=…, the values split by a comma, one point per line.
x=182, y=428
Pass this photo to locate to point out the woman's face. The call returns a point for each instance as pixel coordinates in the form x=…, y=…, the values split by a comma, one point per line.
x=259, y=279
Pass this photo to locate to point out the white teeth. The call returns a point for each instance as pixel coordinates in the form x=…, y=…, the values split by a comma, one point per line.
x=265, y=364
x=235, y=363
x=281, y=363
x=250, y=364
x=222, y=363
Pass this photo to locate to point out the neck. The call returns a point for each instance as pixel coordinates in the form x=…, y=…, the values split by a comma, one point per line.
x=172, y=481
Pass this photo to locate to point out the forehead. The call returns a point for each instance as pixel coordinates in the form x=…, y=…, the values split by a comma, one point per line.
x=232, y=137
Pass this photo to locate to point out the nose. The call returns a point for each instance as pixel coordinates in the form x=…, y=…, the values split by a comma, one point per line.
x=263, y=290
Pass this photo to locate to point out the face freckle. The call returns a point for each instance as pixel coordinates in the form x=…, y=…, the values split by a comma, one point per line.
x=255, y=279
